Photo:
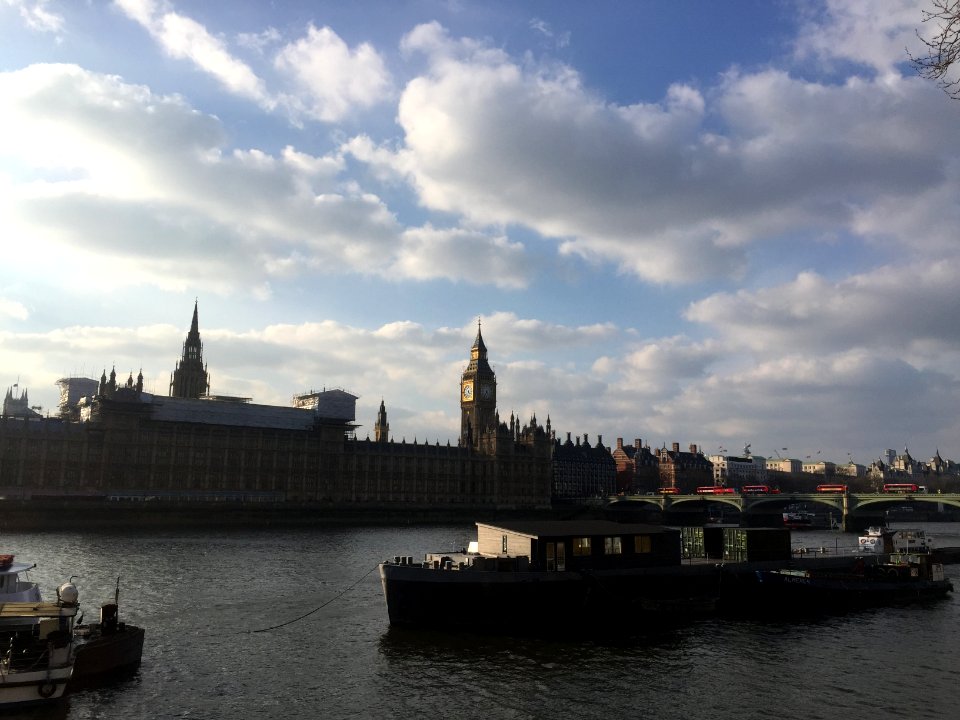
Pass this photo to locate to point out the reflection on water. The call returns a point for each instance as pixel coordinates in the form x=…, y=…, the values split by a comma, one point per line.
x=200, y=596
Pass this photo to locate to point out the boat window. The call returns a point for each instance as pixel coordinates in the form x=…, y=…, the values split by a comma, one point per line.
x=551, y=559
x=504, y=544
x=611, y=546
x=581, y=546
x=641, y=544
x=561, y=556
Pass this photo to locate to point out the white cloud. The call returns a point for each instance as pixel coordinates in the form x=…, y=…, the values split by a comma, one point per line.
x=649, y=187
x=329, y=79
x=876, y=34
x=13, y=309
x=36, y=15
x=462, y=255
x=321, y=77
x=183, y=38
x=143, y=185
x=885, y=311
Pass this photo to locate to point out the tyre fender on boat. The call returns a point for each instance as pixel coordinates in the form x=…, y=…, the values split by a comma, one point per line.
x=47, y=688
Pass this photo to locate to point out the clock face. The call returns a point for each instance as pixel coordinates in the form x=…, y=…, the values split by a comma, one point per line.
x=486, y=392
x=467, y=391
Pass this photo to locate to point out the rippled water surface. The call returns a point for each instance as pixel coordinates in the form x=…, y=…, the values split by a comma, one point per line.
x=200, y=596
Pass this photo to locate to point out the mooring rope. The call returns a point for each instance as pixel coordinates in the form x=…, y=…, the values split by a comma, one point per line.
x=319, y=607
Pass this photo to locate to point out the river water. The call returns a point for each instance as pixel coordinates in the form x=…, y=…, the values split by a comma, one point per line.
x=201, y=595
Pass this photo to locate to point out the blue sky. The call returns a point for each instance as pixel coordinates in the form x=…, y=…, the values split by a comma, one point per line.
x=693, y=222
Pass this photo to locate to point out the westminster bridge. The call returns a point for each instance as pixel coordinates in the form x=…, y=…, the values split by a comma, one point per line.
x=855, y=509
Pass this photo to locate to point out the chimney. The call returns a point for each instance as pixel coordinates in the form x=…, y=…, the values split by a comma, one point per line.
x=619, y=443
x=693, y=448
x=637, y=443
x=676, y=447
x=599, y=440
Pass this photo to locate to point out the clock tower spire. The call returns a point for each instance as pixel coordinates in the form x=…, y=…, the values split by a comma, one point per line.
x=478, y=396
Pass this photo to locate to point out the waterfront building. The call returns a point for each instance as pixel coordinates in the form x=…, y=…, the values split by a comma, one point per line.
x=788, y=466
x=852, y=469
x=732, y=471
x=129, y=444
x=581, y=471
x=905, y=464
x=939, y=466
x=685, y=471
x=637, y=468
x=820, y=467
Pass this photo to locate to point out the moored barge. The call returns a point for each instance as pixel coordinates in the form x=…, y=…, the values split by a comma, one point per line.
x=601, y=577
x=550, y=577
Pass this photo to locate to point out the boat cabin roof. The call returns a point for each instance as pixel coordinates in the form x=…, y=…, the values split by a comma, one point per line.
x=15, y=568
x=13, y=610
x=574, y=528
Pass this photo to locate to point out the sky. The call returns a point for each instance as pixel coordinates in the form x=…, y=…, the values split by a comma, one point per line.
x=721, y=224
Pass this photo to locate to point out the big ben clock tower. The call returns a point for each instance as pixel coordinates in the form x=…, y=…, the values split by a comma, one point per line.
x=478, y=396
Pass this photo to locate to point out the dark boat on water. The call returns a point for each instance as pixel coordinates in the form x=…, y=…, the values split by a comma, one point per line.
x=107, y=651
x=550, y=578
x=863, y=582
x=603, y=577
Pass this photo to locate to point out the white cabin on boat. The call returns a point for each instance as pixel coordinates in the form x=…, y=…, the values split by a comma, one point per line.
x=884, y=540
x=13, y=587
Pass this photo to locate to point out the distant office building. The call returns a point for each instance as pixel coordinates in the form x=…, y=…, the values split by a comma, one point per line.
x=820, y=467
x=685, y=471
x=582, y=471
x=852, y=470
x=787, y=466
x=733, y=471
x=637, y=468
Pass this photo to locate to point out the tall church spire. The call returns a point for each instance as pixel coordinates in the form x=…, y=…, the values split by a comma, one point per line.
x=190, y=378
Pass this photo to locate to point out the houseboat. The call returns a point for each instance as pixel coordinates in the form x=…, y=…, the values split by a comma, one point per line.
x=597, y=577
x=550, y=577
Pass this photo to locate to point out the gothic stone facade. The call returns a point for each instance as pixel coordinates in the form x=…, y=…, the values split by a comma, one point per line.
x=132, y=444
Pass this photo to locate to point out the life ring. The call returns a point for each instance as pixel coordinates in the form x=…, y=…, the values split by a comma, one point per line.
x=47, y=688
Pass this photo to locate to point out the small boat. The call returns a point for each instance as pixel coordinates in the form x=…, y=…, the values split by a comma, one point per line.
x=36, y=649
x=13, y=587
x=865, y=582
x=798, y=520
x=106, y=651
x=884, y=540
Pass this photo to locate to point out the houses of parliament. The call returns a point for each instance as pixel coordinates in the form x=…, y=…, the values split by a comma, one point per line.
x=114, y=440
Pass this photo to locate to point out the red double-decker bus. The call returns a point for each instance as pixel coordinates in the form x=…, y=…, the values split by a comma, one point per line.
x=838, y=489
x=759, y=490
x=901, y=488
x=715, y=490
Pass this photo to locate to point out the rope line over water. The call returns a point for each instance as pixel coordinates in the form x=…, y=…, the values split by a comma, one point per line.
x=319, y=607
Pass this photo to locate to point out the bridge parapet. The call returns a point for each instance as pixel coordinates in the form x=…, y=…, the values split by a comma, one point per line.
x=846, y=503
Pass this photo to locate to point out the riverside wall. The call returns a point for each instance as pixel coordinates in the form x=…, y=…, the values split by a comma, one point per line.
x=87, y=515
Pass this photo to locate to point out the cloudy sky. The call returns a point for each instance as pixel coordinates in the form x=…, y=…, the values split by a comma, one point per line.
x=693, y=222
